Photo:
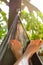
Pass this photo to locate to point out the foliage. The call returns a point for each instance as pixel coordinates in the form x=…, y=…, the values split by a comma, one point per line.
x=3, y=28
x=40, y=14
x=34, y=27
x=3, y=16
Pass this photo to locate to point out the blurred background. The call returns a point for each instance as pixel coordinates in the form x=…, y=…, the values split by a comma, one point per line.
x=31, y=17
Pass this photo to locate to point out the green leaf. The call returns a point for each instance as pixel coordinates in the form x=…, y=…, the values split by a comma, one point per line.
x=33, y=24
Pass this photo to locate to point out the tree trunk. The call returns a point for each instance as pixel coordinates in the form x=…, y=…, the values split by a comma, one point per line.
x=13, y=6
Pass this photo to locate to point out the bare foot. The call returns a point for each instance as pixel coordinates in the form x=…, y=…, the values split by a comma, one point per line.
x=16, y=48
x=33, y=47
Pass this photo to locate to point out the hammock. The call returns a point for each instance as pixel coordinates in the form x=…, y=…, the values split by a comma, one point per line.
x=16, y=31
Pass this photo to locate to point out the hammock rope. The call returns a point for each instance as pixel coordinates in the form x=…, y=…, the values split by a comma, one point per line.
x=5, y=43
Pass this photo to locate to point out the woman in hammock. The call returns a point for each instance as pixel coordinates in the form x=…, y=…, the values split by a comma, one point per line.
x=22, y=59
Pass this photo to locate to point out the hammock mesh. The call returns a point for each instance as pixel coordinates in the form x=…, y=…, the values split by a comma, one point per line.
x=16, y=31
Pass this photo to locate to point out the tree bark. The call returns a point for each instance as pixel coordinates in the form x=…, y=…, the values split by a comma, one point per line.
x=13, y=6
x=29, y=5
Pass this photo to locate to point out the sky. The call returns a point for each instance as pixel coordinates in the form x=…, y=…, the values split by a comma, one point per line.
x=5, y=8
x=38, y=4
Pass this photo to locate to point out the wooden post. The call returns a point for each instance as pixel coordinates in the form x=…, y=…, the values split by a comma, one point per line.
x=13, y=6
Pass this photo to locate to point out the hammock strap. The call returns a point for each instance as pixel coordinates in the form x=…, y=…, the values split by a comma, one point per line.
x=7, y=38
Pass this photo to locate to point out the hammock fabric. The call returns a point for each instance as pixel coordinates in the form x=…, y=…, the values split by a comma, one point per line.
x=16, y=31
